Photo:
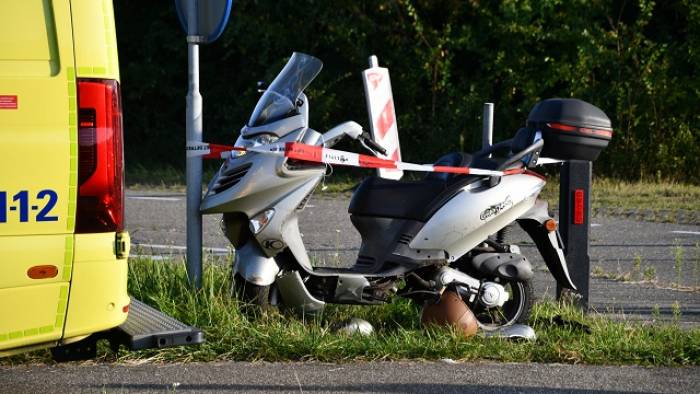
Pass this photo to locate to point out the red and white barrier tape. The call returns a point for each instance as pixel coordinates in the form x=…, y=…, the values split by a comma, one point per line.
x=318, y=154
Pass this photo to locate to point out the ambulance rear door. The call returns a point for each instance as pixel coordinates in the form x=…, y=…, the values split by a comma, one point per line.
x=38, y=169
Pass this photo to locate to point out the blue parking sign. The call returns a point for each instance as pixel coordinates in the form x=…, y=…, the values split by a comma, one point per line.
x=205, y=19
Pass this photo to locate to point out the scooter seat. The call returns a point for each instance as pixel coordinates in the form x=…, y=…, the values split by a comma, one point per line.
x=413, y=200
x=394, y=199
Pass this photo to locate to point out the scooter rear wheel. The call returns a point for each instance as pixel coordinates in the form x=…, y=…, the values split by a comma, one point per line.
x=515, y=311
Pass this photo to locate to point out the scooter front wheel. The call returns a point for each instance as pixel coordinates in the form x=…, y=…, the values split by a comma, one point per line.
x=514, y=311
x=250, y=293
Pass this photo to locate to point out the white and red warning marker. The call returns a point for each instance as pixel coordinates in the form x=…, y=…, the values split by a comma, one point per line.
x=318, y=154
x=382, y=116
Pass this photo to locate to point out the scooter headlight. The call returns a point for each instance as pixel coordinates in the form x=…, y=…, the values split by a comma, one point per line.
x=260, y=139
x=259, y=221
x=264, y=139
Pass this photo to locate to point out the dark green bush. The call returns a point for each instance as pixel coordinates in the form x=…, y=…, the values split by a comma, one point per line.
x=636, y=59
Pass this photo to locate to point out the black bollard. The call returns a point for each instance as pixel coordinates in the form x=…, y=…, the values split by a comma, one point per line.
x=574, y=224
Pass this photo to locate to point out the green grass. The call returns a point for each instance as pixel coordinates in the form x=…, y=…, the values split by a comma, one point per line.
x=167, y=178
x=655, y=196
x=232, y=335
x=139, y=177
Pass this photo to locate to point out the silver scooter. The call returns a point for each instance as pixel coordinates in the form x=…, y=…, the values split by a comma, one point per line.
x=418, y=237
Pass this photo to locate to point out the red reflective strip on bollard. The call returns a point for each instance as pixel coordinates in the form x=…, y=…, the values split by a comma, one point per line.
x=578, y=206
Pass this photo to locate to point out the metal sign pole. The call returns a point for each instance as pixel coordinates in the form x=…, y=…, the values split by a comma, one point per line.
x=194, y=163
x=487, y=126
x=203, y=22
x=373, y=61
x=574, y=224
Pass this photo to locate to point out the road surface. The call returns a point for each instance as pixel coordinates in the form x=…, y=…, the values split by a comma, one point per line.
x=359, y=377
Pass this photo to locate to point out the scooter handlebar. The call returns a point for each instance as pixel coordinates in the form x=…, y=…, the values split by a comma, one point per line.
x=372, y=145
x=350, y=129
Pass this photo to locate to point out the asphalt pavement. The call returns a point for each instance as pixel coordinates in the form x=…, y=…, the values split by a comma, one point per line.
x=359, y=377
x=156, y=222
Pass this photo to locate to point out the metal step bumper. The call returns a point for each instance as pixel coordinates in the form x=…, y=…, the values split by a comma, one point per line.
x=147, y=328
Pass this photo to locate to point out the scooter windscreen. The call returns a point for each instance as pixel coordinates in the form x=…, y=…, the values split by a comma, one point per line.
x=279, y=100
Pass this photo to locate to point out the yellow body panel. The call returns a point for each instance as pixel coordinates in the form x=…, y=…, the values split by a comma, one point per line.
x=98, y=293
x=38, y=161
x=19, y=253
x=44, y=46
x=38, y=139
x=96, y=40
x=28, y=39
x=32, y=314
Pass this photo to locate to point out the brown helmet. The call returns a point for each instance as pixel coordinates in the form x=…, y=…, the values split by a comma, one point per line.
x=450, y=311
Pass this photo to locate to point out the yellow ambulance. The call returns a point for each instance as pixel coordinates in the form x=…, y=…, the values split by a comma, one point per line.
x=63, y=247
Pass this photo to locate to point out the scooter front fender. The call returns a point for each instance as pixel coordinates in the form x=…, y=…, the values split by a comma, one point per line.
x=254, y=266
x=548, y=243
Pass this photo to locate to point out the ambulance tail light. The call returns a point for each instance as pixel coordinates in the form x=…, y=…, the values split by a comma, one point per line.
x=100, y=206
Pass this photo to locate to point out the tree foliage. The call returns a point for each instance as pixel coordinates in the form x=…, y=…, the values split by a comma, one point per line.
x=635, y=59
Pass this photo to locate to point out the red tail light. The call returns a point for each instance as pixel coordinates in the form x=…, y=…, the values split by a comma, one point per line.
x=585, y=130
x=100, y=157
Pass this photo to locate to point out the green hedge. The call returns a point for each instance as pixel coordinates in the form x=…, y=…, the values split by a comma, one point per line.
x=635, y=59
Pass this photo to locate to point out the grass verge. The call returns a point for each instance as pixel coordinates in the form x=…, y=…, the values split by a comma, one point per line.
x=663, y=201
x=232, y=335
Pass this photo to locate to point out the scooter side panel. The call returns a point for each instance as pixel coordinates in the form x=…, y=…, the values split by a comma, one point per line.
x=284, y=225
x=549, y=243
x=475, y=213
x=261, y=186
x=254, y=260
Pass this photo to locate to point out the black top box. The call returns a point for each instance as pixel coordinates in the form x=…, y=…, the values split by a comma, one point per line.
x=572, y=129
